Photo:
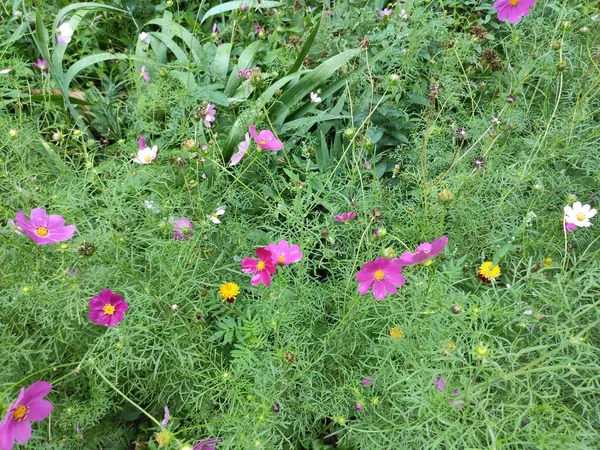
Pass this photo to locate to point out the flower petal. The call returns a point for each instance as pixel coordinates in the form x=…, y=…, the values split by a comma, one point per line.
x=36, y=391
x=379, y=290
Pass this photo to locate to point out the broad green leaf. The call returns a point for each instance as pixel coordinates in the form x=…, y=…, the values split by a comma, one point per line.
x=232, y=6
x=221, y=62
x=310, y=121
x=322, y=154
x=177, y=30
x=60, y=16
x=305, y=49
x=315, y=78
x=171, y=45
x=88, y=61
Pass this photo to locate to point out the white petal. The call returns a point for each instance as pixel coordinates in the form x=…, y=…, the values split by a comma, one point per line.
x=591, y=214
x=585, y=208
x=577, y=206
x=569, y=211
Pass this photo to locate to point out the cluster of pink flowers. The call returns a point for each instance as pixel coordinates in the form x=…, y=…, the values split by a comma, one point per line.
x=248, y=72
x=385, y=275
x=269, y=257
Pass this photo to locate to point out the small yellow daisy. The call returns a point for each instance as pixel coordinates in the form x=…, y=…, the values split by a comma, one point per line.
x=396, y=332
x=488, y=272
x=229, y=291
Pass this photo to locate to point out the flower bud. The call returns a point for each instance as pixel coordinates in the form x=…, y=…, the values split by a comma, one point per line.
x=12, y=133
x=26, y=289
x=388, y=252
x=456, y=309
x=445, y=196
x=481, y=350
x=349, y=133
x=393, y=79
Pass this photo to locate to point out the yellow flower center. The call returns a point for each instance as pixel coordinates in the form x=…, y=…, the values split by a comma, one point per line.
x=262, y=141
x=379, y=275
x=514, y=2
x=260, y=265
x=229, y=291
x=147, y=159
x=41, y=231
x=281, y=258
x=109, y=309
x=20, y=413
x=580, y=217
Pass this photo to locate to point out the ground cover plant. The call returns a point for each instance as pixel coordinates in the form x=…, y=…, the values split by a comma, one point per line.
x=300, y=225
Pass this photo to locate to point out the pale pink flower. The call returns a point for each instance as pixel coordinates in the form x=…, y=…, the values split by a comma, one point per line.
x=314, y=97
x=146, y=155
x=183, y=229
x=64, y=33
x=284, y=254
x=242, y=149
x=208, y=114
x=144, y=74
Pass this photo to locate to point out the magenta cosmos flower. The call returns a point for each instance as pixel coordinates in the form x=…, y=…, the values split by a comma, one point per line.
x=265, y=139
x=262, y=269
x=29, y=407
x=182, y=229
x=424, y=253
x=383, y=274
x=44, y=229
x=284, y=254
x=206, y=444
x=345, y=217
x=107, y=308
x=208, y=114
x=513, y=10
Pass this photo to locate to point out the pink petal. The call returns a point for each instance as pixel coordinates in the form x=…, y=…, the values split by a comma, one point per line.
x=23, y=223
x=396, y=278
x=406, y=259
x=265, y=278
x=249, y=265
x=389, y=286
x=22, y=431
x=252, y=130
x=263, y=254
x=237, y=157
x=55, y=221
x=38, y=217
x=36, y=391
x=364, y=275
x=256, y=279
x=7, y=439
x=39, y=410
x=379, y=290
x=364, y=287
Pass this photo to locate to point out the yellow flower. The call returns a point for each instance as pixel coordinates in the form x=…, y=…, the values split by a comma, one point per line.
x=488, y=272
x=229, y=291
x=396, y=332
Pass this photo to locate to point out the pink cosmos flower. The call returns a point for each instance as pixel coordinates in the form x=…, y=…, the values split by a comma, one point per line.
x=570, y=227
x=284, y=254
x=242, y=149
x=262, y=269
x=44, y=229
x=182, y=229
x=30, y=406
x=208, y=114
x=107, y=308
x=144, y=74
x=345, y=217
x=383, y=274
x=206, y=444
x=385, y=13
x=265, y=139
x=513, y=10
x=424, y=253
x=42, y=65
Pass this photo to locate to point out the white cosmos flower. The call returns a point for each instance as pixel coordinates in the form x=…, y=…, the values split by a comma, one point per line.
x=315, y=98
x=64, y=33
x=144, y=37
x=146, y=155
x=214, y=217
x=579, y=214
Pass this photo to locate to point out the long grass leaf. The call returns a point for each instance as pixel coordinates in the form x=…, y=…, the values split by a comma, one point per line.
x=232, y=6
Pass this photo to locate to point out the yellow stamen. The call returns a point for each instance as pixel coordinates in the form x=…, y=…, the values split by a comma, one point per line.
x=260, y=265
x=41, y=231
x=20, y=413
x=379, y=275
x=281, y=258
x=514, y=2
x=109, y=309
x=262, y=141
x=147, y=159
x=581, y=217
